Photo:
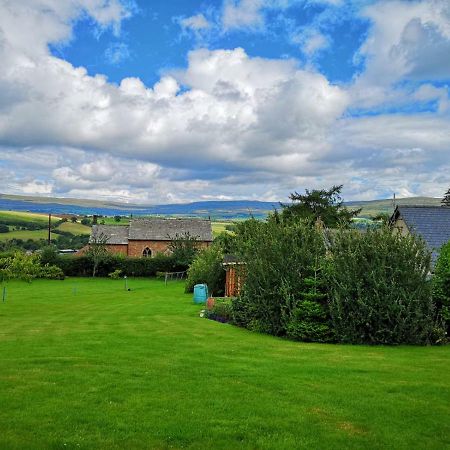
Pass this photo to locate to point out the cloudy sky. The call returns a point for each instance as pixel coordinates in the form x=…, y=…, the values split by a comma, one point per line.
x=158, y=101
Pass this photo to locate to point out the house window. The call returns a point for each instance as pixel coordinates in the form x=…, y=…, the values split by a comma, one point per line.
x=147, y=253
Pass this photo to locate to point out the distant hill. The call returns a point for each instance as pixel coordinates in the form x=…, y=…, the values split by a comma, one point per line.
x=374, y=208
x=215, y=209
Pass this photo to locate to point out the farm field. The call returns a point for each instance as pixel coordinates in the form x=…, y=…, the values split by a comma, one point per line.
x=75, y=228
x=86, y=364
x=26, y=234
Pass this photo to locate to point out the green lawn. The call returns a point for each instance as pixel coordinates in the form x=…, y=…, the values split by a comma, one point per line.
x=86, y=364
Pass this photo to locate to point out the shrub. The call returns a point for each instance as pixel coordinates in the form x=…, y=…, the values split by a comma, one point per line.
x=27, y=267
x=207, y=268
x=280, y=258
x=115, y=275
x=74, y=265
x=4, y=228
x=222, y=310
x=379, y=293
x=441, y=287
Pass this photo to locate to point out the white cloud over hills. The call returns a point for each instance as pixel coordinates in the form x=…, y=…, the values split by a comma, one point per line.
x=228, y=125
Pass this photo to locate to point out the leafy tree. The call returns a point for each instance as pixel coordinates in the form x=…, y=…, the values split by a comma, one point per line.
x=85, y=221
x=207, y=268
x=184, y=247
x=97, y=251
x=4, y=228
x=117, y=218
x=446, y=200
x=73, y=219
x=324, y=204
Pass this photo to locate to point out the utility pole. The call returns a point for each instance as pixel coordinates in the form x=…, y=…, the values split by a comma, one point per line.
x=49, y=227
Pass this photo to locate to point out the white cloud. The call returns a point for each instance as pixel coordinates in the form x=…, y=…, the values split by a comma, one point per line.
x=196, y=23
x=242, y=14
x=227, y=126
x=117, y=52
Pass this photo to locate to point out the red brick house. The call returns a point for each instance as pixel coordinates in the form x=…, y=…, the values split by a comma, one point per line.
x=148, y=237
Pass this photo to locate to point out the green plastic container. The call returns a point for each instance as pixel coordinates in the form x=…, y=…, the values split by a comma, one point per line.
x=200, y=293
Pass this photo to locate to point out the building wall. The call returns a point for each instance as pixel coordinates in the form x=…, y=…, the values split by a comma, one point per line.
x=401, y=227
x=118, y=249
x=136, y=248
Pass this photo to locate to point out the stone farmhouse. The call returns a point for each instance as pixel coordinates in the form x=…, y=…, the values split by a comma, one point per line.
x=148, y=237
x=432, y=223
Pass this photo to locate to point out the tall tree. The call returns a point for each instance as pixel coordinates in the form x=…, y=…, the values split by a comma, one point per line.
x=97, y=249
x=324, y=204
x=446, y=200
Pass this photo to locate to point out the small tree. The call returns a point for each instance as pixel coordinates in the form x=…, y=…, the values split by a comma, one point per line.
x=324, y=204
x=117, y=218
x=73, y=219
x=446, y=200
x=97, y=249
x=207, y=268
x=184, y=247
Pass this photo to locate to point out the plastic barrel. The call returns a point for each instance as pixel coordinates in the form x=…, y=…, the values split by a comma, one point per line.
x=200, y=293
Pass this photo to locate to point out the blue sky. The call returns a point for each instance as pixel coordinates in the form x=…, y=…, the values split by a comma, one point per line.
x=156, y=101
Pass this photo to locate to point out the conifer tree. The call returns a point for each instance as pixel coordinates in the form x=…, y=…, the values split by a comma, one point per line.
x=446, y=200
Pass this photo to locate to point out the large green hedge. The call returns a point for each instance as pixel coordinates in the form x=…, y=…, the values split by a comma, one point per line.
x=441, y=287
x=379, y=291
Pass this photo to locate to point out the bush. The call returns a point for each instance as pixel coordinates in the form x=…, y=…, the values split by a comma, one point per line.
x=81, y=266
x=207, y=268
x=280, y=259
x=379, y=293
x=115, y=275
x=27, y=267
x=4, y=228
x=222, y=311
x=441, y=287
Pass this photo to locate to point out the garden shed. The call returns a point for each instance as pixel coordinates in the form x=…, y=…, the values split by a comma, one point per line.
x=235, y=272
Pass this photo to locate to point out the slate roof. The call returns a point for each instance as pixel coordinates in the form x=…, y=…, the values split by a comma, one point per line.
x=116, y=234
x=159, y=229
x=155, y=229
x=430, y=222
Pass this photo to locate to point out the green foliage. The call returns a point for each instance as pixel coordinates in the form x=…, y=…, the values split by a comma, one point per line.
x=207, y=268
x=21, y=266
x=49, y=255
x=97, y=250
x=116, y=274
x=4, y=228
x=117, y=218
x=184, y=248
x=85, y=221
x=441, y=286
x=310, y=321
x=379, y=293
x=222, y=311
x=74, y=265
x=279, y=261
x=323, y=204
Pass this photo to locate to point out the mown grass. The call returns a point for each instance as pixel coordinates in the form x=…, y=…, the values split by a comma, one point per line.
x=86, y=364
x=27, y=217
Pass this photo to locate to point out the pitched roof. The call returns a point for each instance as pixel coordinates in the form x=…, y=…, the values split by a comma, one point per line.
x=154, y=229
x=161, y=229
x=115, y=234
x=430, y=222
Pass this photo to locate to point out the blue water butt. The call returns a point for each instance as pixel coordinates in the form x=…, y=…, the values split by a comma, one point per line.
x=200, y=293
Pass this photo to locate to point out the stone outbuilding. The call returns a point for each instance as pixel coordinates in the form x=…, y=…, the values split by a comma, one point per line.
x=150, y=236
x=432, y=223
